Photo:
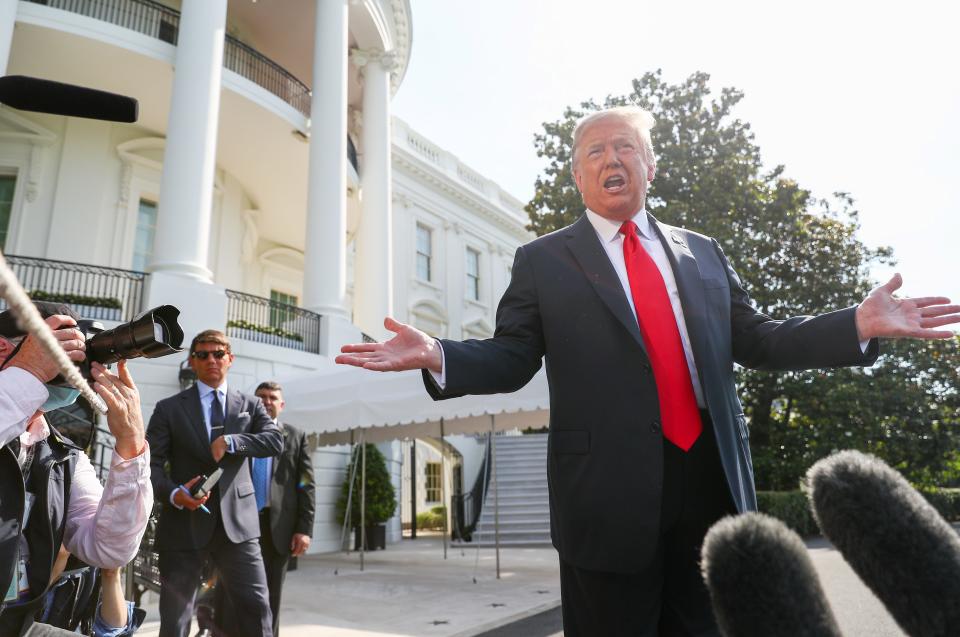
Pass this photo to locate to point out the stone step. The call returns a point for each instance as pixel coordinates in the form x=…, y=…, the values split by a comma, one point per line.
x=532, y=525
x=512, y=538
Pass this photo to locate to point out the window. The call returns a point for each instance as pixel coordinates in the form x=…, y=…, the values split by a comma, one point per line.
x=433, y=481
x=146, y=231
x=8, y=184
x=281, y=315
x=424, y=252
x=473, y=274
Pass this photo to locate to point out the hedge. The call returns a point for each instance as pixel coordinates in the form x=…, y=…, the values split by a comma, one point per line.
x=76, y=299
x=793, y=509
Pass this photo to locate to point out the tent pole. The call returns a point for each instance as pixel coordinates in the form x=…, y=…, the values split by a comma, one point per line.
x=496, y=500
x=413, y=489
x=363, y=498
x=352, y=470
x=443, y=491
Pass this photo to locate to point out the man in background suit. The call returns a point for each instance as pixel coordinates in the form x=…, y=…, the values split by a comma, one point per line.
x=640, y=324
x=285, y=495
x=190, y=435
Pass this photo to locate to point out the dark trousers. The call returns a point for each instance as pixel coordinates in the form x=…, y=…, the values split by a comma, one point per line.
x=275, y=565
x=669, y=597
x=241, y=575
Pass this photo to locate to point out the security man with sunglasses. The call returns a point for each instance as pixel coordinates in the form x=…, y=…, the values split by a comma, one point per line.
x=191, y=434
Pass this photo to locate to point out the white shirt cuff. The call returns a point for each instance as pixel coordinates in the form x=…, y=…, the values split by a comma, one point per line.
x=441, y=378
x=172, y=501
x=864, y=345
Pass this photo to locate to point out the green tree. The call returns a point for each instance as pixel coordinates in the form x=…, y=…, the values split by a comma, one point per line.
x=381, y=499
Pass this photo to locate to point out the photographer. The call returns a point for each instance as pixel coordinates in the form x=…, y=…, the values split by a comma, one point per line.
x=49, y=492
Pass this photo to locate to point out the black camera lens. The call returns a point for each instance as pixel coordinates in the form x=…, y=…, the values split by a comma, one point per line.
x=152, y=334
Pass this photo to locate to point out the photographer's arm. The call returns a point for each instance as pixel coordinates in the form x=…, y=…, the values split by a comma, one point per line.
x=105, y=525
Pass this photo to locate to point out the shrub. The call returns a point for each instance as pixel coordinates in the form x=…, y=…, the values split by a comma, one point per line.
x=945, y=501
x=380, y=495
x=432, y=519
x=240, y=324
x=790, y=507
x=76, y=299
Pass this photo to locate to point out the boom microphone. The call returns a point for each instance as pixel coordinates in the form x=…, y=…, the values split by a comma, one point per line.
x=46, y=96
x=762, y=582
x=892, y=538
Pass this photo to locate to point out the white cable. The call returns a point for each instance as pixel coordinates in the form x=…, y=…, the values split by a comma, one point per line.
x=29, y=320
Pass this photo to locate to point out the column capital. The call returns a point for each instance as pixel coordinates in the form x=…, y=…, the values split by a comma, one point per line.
x=362, y=57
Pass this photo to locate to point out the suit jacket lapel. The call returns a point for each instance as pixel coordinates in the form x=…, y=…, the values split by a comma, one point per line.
x=194, y=410
x=234, y=401
x=585, y=246
x=689, y=284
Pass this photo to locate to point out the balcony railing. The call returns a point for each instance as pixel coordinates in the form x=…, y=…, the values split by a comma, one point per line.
x=163, y=23
x=93, y=291
x=254, y=318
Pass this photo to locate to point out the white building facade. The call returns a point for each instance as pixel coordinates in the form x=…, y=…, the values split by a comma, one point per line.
x=266, y=190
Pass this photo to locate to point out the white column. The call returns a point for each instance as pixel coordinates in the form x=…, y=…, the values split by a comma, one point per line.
x=325, y=250
x=8, y=17
x=373, y=269
x=186, y=187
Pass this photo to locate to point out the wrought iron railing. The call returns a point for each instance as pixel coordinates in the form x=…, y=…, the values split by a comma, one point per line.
x=93, y=291
x=255, y=318
x=465, y=507
x=163, y=23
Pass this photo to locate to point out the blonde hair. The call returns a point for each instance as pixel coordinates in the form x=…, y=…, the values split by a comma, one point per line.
x=640, y=119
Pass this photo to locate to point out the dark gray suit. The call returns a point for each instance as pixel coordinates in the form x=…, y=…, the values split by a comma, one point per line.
x=290, y=509
x=606, y=450
x=177, y=435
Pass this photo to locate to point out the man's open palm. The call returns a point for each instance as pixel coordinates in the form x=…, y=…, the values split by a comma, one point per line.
x=882, y=314
x=409, y=349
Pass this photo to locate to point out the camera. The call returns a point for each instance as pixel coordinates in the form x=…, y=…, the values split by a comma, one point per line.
x=151, y=334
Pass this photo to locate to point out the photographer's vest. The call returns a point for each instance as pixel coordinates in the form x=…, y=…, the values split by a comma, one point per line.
x=43, y=484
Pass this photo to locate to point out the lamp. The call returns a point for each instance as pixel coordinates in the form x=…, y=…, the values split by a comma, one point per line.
x=186, y=376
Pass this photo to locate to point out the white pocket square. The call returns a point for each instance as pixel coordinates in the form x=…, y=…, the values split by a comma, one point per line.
x=243, y=414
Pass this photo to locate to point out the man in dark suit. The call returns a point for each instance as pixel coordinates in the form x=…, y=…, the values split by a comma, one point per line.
x=640, y=324
x=285, y=495
x=190, y=435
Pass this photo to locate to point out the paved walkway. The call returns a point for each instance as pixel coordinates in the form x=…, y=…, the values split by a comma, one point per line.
x=410, y=590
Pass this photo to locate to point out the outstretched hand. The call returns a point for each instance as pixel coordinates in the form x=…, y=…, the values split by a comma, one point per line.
x=882, y=314
x=409, y=349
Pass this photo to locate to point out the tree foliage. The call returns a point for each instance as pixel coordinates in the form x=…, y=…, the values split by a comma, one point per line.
x=796, y=254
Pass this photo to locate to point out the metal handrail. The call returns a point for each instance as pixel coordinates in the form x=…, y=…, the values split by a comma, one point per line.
x=466, y=507
x=255, y=318
x=93, y=291
x=163, y=23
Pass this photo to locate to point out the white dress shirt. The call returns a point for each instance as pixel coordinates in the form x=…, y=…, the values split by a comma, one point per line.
x=609, y=233
x=104, y=523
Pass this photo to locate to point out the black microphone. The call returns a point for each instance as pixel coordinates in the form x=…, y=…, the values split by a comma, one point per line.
x=762, y=582
x=892, y=538
x=46, y=96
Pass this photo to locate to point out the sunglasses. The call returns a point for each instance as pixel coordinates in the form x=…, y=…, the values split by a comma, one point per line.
x=217, y=354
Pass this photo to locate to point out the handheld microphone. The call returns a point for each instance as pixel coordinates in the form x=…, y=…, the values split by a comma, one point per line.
x=762, y=581
x=892, y=538
x=46, y=96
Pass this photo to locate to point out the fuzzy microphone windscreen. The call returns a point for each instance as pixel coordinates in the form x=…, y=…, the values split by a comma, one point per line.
x=892, y=538
x=762, y=582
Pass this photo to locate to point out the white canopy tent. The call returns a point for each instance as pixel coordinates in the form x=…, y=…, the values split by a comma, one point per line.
x=388, y=406
x=345, y=405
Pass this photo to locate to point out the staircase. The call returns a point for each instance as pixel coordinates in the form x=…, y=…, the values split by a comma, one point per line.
x=521, y=490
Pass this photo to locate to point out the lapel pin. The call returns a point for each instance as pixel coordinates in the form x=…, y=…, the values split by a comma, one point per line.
x=677, y=239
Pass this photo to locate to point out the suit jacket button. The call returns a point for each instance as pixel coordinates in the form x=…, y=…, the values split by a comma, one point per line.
x=655, y=426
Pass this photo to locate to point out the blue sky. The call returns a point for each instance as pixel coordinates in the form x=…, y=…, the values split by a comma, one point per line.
x=853, y=96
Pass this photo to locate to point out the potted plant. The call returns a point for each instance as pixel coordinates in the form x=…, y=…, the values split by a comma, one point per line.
x=381, y=499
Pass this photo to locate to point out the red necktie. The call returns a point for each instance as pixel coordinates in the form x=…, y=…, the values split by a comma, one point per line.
x=658, y=326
